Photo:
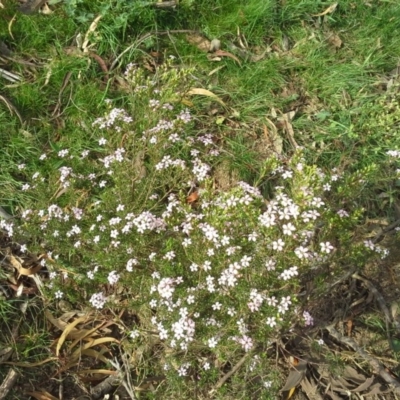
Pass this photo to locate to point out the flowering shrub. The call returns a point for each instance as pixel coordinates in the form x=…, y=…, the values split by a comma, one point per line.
x=209, y=277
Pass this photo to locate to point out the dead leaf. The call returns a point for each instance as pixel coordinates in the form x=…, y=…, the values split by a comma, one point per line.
x=335, y=41
x=215, y=45
x=98, y=371
x=69, y=328
x=216, y=70
x=349, y=326
x=95, y=354
x=213, y=57
x=329, y=10
x=90, y=31
x=46, y=10
x=310, y=387
x=296, y=375
x=43, y=395
x=273, y=137
x=199, y=41
x=205, y=92
x=222, y=53
x=286, y=120
x=30, y=365
x=84, y=335
x=94, y=342
x=21, y=270
x=192, y=197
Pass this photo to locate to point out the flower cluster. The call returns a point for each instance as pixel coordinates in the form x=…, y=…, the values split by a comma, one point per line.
x=217, y=273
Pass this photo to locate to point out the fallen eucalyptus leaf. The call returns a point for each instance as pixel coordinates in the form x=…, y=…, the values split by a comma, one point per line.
x=205, y=92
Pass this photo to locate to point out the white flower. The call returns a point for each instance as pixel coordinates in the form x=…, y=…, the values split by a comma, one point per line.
x=186, y=242
x=194, y=267
x=63, y=153
x=252, y=237
x=270, y=265
x=278, y=245
x=212, y=342
x=317, y=202
x=326, y=247
x=206, y=366
x=216, y=306
x=113, y=277
x=343, y=213
x=169, y=256
x=134, y=334
x=165, y=288
x=98, y=300
x=287, y=175
x=288, y=229
x=301, y=252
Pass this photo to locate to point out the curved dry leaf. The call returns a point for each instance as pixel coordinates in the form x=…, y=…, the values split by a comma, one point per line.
x=94, y=342
x=84, y=335
x=88, y=34
x=98, y=371
x=378, y=388
x=222, y=53
x=365, y=385
x=95, y=354
x=329, y=10
x=352, y=374
x=68, y=329
x=310, y=388
x=30, y=365
x=42, y=395
x=205, y=92
x=296, y=375
x=192, y=197
x=21, y=270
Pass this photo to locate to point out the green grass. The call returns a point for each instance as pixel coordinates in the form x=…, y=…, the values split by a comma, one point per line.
x=344, y=120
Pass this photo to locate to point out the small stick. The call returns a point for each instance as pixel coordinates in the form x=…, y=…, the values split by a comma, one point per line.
x=229, y=374
x=9, y=76
x=8, y=383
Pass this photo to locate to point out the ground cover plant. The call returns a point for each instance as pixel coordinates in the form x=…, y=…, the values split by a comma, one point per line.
x=181, y=212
